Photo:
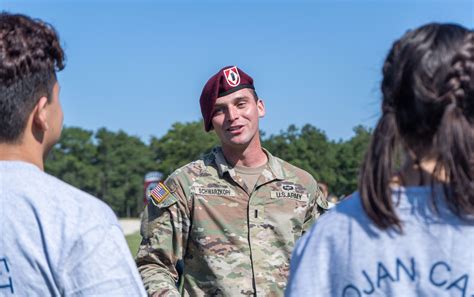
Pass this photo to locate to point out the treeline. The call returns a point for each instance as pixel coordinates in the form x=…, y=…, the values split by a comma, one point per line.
x=112, y=165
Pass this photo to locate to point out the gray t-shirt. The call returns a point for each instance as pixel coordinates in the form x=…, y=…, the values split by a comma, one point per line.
x=56, y=240
x=344, y=254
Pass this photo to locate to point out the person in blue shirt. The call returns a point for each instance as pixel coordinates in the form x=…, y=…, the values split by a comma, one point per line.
x=55, y=240
x=409, y=229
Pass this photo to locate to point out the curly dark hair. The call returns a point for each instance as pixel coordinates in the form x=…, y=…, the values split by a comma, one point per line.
x=30, y=55
x=427, y=107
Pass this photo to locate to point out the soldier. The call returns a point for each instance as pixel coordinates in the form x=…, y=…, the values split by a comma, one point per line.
x=225, y=225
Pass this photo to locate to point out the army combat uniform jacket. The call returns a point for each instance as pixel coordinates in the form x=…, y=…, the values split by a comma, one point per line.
x=212, y=236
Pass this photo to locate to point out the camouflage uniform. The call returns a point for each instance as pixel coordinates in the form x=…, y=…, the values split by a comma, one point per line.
x=228, y=240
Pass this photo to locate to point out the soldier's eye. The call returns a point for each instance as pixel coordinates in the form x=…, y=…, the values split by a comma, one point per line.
x=217, y=111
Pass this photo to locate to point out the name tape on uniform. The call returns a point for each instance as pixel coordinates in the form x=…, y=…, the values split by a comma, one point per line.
x=212, y=191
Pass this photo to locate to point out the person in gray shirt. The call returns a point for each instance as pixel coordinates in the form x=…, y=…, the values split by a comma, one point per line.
x=409, y=230
x=55, y=240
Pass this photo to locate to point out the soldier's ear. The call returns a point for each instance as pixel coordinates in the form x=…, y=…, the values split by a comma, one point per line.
x=260, y=108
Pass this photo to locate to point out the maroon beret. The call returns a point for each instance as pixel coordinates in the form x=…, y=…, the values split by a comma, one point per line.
x=228, y=80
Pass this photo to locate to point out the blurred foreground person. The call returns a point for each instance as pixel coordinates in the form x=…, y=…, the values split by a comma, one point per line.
x=408, y=231
x=54, y=239
x=225, y=225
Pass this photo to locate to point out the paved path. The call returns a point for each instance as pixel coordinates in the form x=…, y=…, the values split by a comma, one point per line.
x=129, y=225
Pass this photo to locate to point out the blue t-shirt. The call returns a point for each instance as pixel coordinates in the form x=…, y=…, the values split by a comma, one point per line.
x=56, y=240
x=344, y=254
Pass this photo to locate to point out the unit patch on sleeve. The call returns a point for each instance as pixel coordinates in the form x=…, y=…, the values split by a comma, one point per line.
x=159, y=194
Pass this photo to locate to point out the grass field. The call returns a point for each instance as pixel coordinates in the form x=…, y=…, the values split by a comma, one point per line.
x=133, y=241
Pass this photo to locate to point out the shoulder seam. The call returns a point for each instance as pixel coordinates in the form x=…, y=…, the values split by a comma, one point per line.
x=289, y=173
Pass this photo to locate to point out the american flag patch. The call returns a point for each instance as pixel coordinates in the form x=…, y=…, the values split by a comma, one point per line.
x=159, y=193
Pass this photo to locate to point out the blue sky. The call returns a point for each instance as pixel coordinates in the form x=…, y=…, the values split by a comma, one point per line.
x=140, y=66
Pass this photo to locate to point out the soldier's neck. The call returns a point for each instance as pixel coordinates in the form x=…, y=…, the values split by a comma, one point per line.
x=251, y=155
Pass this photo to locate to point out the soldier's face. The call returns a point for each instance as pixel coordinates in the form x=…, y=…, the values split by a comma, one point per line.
x=235, y=118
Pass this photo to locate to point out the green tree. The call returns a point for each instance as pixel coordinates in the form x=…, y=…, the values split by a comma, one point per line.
x=183, y=143
x=307, y=148
x=73, y=159
x=349, y=158
x=111, y=165
x=123, y=161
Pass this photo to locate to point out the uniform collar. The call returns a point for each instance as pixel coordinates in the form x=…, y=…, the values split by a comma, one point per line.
x=274, y=170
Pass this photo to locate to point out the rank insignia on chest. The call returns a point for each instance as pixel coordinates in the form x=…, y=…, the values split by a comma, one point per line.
x=159, y=194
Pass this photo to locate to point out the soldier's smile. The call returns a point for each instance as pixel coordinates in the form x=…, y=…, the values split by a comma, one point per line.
x=236, y=129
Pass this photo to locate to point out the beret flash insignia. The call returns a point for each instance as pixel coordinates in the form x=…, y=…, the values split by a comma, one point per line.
x=232, y=76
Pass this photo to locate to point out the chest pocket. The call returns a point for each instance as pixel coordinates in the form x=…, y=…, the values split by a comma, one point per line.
x=210, y=199
x=219, y=215
x=287, y=206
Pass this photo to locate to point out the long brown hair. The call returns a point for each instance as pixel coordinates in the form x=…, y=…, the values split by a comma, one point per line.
x=427, y=106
